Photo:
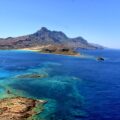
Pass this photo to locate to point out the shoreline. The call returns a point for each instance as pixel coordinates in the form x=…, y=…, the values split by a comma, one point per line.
x=41, y=52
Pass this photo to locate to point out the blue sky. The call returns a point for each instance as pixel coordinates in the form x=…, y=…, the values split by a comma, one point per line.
x=98, y=21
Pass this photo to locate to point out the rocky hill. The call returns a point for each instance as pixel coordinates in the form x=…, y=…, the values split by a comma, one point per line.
x=44, y=37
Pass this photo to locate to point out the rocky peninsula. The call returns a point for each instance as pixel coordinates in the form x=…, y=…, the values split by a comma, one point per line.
x=60, y=50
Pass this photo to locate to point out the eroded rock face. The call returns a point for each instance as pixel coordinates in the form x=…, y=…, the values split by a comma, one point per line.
x=19, y=108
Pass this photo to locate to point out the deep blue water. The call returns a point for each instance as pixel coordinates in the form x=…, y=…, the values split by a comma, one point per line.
x=77, y=88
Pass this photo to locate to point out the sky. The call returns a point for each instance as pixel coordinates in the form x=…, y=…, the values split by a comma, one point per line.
x=98, y=21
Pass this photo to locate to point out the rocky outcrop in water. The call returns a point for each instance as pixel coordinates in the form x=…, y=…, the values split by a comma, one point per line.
x=19, y=108
x=100, y=59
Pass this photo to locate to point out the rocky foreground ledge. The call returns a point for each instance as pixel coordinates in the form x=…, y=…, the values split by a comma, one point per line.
x=20, y=108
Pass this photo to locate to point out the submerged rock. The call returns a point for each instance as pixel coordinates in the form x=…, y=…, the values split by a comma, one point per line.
x=20, y=108
x=58, y=88
x=34, y=75
x=78, y=113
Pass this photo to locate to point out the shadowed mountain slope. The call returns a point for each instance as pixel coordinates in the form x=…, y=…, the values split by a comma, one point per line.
x=45, y=37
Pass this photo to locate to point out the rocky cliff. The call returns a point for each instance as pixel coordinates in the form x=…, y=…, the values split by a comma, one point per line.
x=46, y=37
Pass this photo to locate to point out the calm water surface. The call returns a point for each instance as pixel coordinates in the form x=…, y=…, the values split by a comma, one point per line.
x=76, y=88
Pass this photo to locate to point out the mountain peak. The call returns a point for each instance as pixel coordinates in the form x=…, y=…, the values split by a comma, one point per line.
x=44, y=29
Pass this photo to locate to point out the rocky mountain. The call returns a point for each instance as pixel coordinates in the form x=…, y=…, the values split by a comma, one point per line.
x=45, y=37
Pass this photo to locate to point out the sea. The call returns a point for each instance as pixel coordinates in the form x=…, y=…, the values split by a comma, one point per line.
x=76, y=88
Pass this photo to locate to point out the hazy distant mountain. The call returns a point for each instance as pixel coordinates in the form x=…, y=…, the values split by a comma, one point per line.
x=46, y=37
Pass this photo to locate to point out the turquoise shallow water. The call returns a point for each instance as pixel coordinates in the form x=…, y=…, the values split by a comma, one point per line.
x=76, y=88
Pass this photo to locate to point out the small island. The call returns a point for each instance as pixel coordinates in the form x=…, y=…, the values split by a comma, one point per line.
x=100, y=59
